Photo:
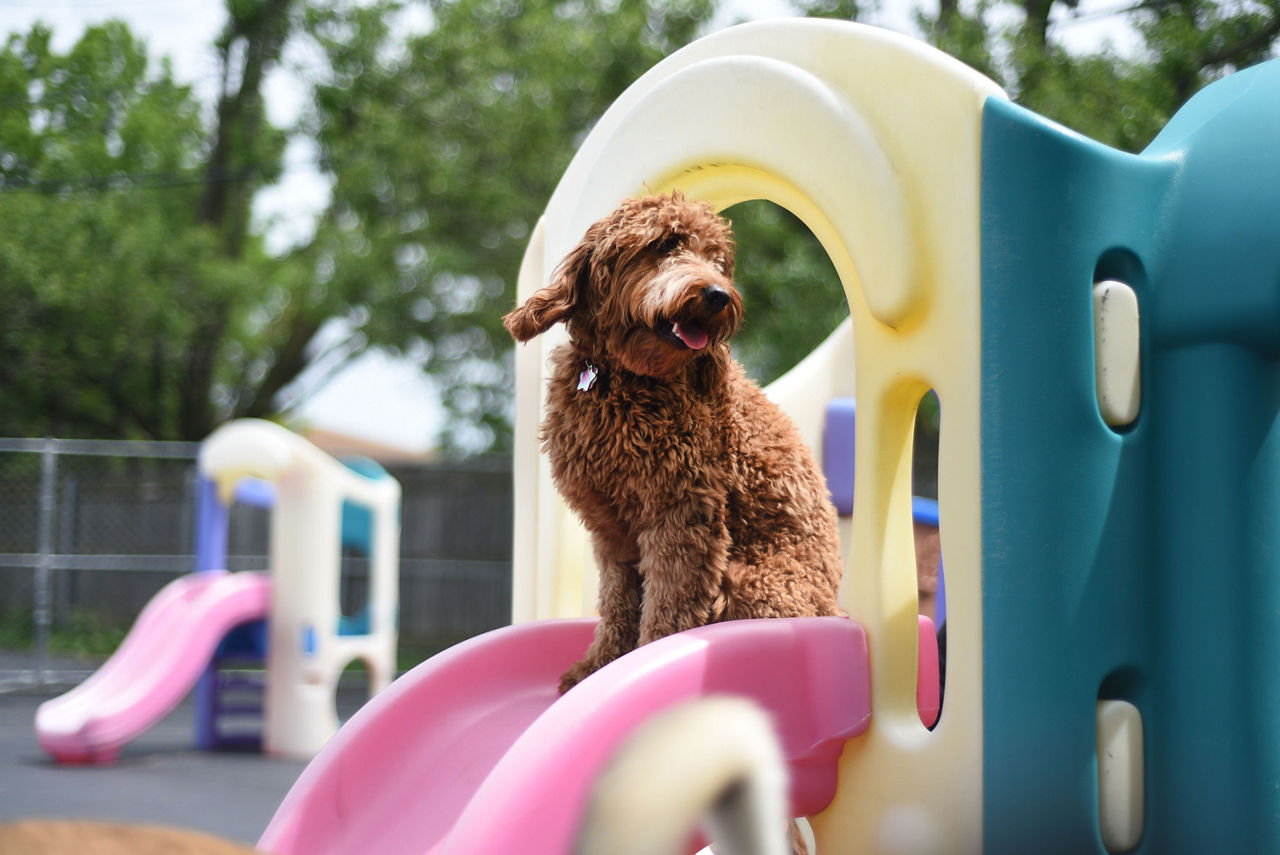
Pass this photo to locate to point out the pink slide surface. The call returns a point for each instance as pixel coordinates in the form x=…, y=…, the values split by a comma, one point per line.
x=472, y=752
x=159, y=661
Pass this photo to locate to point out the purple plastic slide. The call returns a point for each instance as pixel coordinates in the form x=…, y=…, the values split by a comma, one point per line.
x=159, y=661
x=472, y=752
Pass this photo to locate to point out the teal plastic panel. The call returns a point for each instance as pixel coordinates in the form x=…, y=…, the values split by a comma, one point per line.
x=1142, y=564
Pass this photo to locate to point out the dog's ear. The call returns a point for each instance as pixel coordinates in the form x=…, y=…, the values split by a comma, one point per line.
x=555, y=302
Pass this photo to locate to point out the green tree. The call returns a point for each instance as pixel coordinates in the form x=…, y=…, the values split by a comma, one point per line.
x=131, y=288
x=138, y=300
x=1122, y=100
x=444, y=156
x=791, y=296
x=96, y=168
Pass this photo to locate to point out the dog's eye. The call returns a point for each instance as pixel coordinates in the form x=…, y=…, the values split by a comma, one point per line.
x=666, y=245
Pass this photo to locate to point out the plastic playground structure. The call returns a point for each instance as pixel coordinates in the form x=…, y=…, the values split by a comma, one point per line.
x=1103, y=331
x=290, y=615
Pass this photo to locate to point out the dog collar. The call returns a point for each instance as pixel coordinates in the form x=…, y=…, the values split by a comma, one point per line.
x=587, y=378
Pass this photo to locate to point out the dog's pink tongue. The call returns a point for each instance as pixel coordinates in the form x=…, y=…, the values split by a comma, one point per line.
x=694, y=339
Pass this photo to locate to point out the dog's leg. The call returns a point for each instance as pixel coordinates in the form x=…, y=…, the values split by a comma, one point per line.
x=619, y=629
x=783, y=586
x=683, y=568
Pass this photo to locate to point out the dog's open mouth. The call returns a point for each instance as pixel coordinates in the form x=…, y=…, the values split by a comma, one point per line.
x=686, y=333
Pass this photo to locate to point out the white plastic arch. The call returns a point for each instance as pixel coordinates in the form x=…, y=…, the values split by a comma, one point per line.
x=873, y=140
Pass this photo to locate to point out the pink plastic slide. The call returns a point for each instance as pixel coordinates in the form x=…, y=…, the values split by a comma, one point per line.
x=472, y=752
x=163, y=655
x=928, y=673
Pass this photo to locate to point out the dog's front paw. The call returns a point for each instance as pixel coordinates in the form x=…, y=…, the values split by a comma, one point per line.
x=577, y=674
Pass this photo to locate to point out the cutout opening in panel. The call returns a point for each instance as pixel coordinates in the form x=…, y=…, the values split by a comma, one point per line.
x=357, y=543
x=353, y=689
x=924, y=510
x=354, y=575
x=927, y=536
x=791, y=294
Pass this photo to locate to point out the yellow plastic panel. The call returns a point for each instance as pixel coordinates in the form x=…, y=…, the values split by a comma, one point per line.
x=528, y=479
x=803, y=392
x=873, y=140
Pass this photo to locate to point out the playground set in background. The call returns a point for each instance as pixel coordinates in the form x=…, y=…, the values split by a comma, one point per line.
x=1103, y=333
x=206, y=630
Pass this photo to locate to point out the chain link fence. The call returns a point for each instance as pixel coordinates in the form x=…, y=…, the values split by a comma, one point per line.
x=93, y=529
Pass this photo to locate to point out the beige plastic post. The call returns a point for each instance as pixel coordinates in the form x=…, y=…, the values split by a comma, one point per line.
x=873, y=140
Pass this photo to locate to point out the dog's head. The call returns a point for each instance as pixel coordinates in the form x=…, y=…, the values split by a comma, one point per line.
x=649, y=287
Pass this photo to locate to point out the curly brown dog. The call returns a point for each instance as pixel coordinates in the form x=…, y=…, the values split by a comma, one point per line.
x=702, y=502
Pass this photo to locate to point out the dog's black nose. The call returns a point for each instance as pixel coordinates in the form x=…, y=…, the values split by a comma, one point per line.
x=715, y=297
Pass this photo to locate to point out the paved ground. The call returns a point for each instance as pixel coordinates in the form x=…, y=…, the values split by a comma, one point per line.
x=160, y=778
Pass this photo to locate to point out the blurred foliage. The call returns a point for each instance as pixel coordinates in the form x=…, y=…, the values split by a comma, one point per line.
x=82, y=632
x=792, y=298
x=138, y=301
x=1122, y=100
x=445, y=155
x=133, y=294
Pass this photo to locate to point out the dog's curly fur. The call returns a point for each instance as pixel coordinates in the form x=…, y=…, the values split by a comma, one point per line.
x=702, y=502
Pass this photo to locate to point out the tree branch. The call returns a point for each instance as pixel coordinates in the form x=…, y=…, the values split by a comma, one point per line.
x=290, y=360
x=240, y=117
x=1230, y=52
